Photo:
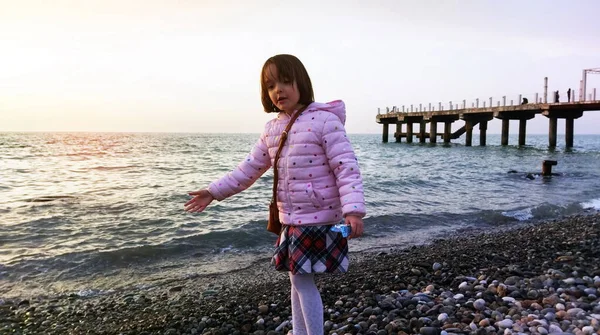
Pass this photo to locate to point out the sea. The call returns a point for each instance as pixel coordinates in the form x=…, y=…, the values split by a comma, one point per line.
x=94, y=213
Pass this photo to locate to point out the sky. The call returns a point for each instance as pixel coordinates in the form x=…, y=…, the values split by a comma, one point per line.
x=194, y=66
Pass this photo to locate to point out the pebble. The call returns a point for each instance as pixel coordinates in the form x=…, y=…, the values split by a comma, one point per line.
x=554, y=329
x=509, y=300
x=506, y=323
x=588, y=330
x=428, y=331
x=479, y=304
x=458, y=296
x=550, y=316
x=574, y=311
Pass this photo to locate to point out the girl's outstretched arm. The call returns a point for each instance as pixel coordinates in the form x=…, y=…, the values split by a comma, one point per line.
x=201, y=199
x=240, y=178
x=245, y=174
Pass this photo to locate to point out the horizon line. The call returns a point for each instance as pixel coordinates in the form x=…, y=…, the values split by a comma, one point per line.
x=208, y=133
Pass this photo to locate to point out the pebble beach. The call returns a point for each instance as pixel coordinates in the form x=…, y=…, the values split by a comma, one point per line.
x=542, y=278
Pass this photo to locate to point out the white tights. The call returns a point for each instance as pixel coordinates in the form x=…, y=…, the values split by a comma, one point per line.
x=307, y=307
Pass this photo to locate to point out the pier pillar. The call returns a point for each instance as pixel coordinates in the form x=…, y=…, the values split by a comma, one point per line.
x=505, y=126
x=447, y=131
x=552, y=132
x=432, y=132
x=469, y=133
x=522, y=131
x=569, y=132
x=422, y=131
x=386, y=129
x=482, y=132
x=409, y=132
x=547, y=167
x=398, y=133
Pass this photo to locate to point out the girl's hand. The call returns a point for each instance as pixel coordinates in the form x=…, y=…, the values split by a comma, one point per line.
x=201, y=199
x=356, y=223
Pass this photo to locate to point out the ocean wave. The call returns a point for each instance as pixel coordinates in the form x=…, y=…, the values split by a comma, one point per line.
x=593, y=204
x=544, y=211
x=111, y=168
x=48, y=198
x=85, y=153
x=520, y=214
x=248, y=238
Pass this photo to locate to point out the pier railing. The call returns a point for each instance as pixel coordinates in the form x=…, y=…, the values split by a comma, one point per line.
x=498, y=101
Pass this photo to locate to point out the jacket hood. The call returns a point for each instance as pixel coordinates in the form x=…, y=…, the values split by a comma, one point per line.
x=336, y=107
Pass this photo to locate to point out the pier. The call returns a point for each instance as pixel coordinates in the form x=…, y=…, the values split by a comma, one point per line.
x=405, y=119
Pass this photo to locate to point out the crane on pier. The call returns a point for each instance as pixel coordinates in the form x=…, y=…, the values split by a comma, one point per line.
x=584, y=81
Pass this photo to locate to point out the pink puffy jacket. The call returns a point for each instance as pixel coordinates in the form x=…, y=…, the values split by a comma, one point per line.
x=319, y=179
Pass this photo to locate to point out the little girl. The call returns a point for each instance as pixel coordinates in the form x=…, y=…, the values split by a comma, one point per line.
x=319, y=184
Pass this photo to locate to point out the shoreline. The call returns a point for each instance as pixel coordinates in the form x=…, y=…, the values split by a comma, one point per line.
x=383, y=291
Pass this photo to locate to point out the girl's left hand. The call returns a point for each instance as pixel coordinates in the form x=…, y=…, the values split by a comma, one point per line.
x=356, y=222
x=201, y=199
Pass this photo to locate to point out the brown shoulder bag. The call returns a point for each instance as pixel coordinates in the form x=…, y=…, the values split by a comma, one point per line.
x=274, y=225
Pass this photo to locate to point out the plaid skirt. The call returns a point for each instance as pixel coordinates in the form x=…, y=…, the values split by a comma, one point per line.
x=310, y=249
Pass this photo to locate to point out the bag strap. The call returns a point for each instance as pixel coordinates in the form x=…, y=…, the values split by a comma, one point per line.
x=282, y=140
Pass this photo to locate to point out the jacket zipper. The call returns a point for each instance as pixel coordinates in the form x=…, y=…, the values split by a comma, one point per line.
x=287, y=176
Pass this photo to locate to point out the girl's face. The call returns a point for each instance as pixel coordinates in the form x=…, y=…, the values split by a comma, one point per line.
x=283, y=91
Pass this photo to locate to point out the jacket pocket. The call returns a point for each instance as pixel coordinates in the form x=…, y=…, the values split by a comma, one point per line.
x=314, y=196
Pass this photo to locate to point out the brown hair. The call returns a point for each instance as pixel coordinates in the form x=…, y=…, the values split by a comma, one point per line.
x=291, y=68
